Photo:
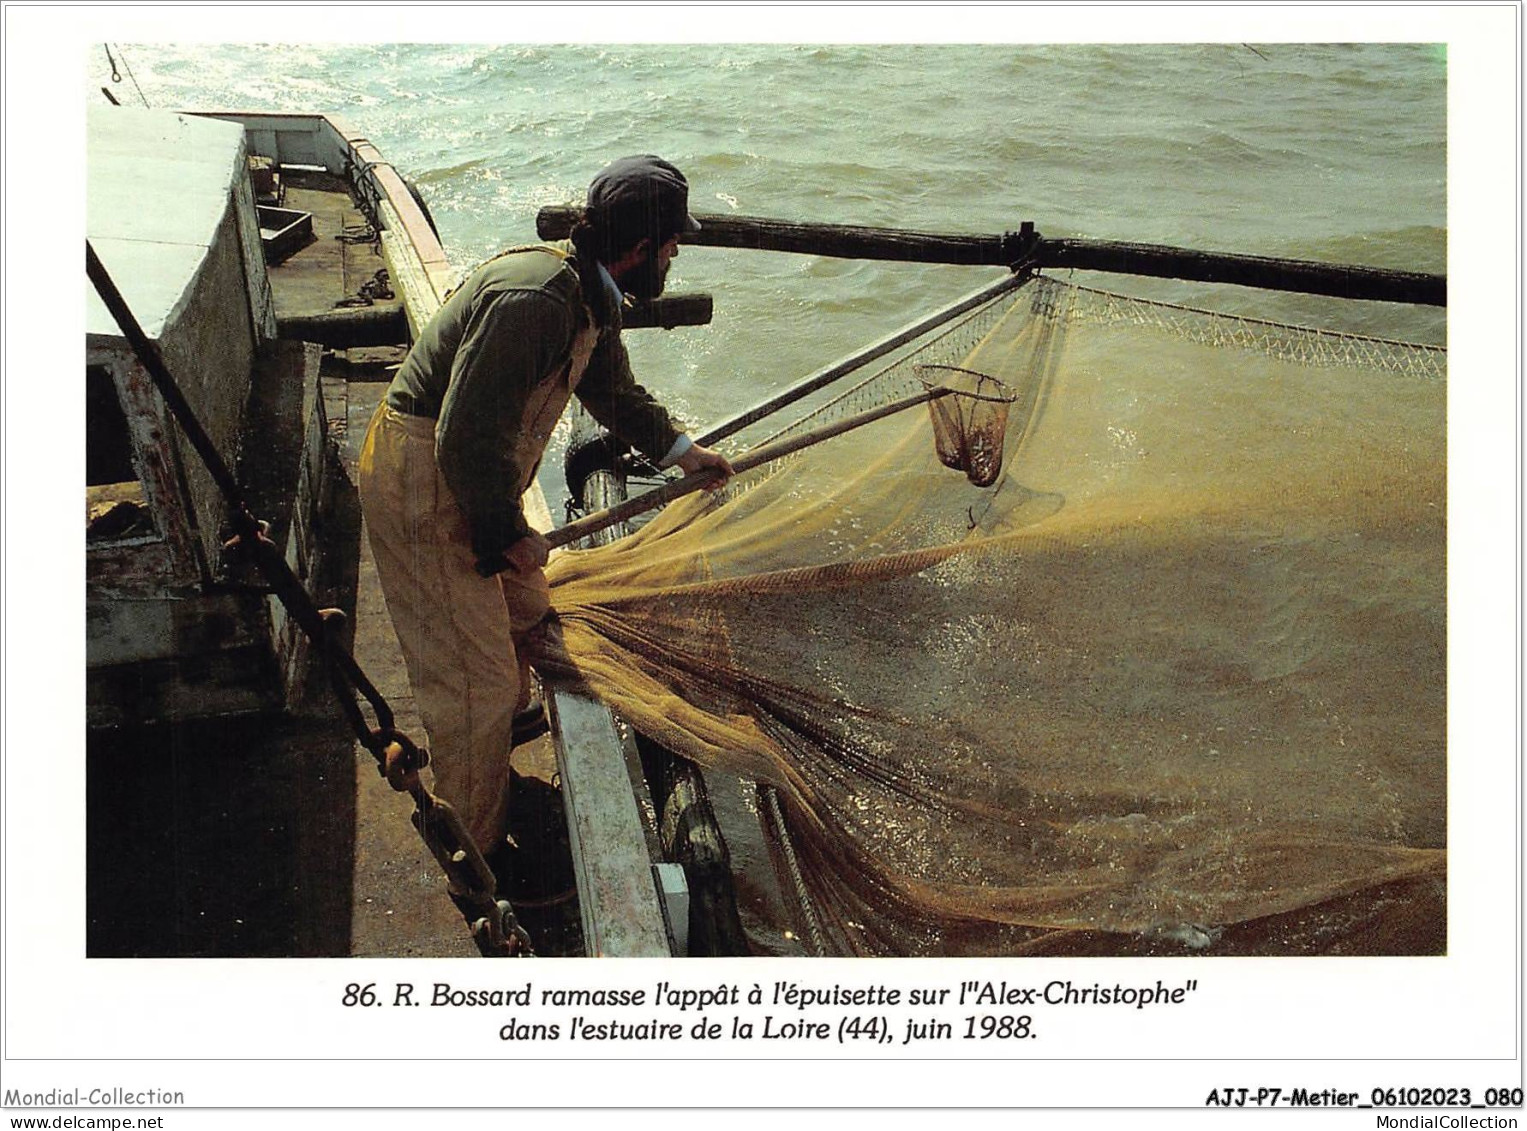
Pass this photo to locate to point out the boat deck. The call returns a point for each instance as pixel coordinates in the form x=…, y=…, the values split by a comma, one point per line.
x=276, y=836
x=344, y=255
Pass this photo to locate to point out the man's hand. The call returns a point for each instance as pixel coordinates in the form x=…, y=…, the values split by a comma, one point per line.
x=529, y=553
x=701, y=459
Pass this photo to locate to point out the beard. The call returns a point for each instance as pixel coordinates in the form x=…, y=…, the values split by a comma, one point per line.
x=646, y=280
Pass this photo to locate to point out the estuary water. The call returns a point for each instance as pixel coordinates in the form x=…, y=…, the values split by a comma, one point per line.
x=1329, y=152
x=1325, y=152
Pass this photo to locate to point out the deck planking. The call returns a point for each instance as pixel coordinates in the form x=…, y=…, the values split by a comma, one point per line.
x=330, y=269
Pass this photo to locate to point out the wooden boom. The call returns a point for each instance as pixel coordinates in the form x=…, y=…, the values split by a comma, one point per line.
x=1336, y=279
x=841, y=241
x=1028, y=249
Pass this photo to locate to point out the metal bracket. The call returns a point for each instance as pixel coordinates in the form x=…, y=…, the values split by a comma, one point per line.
x=1018, y=247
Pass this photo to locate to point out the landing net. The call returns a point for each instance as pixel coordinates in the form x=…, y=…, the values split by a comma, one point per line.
x=1175, y=678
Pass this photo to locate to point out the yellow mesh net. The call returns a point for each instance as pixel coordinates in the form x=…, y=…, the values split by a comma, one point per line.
x=1181, y=666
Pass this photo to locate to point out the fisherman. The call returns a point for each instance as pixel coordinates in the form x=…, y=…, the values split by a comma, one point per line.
x=457, y=440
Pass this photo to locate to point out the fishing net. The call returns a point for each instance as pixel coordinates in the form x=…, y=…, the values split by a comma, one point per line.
x=970, y=425
x=1179, y=666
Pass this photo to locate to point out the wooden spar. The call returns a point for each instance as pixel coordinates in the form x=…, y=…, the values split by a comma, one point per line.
x=842, y=241
x=1012, y=249
x=1338, y=280
x=669, y=311
x=383, y=325
x=678, y=488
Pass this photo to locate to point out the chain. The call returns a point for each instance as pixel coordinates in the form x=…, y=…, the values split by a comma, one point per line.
x=116, y=75
x=375, y=289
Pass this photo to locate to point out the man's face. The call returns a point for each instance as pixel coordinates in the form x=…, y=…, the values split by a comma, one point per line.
x=647, y=279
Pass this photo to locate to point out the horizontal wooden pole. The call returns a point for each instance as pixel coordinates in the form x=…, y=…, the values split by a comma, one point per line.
x=670, y=311
x=385, y=325
x=841, y=241
x=1013, y=249
x=1307, y=277
x=348, y=326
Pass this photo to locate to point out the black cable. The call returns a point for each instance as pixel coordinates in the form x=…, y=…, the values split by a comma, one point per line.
x=116, y=75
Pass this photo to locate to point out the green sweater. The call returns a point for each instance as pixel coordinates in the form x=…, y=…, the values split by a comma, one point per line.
x=479, y=368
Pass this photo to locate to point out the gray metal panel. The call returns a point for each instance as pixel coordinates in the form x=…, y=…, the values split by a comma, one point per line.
x=616, y=889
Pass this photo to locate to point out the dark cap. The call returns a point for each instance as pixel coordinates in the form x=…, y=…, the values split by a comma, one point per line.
x=641, y=196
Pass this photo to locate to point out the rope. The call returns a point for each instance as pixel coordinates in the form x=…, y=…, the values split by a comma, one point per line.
x=116, y=75
x=1247, y=320
x=494, y=927
x=358, y=234
x=378, y=288
x=1282, y=340
x=365, y=167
